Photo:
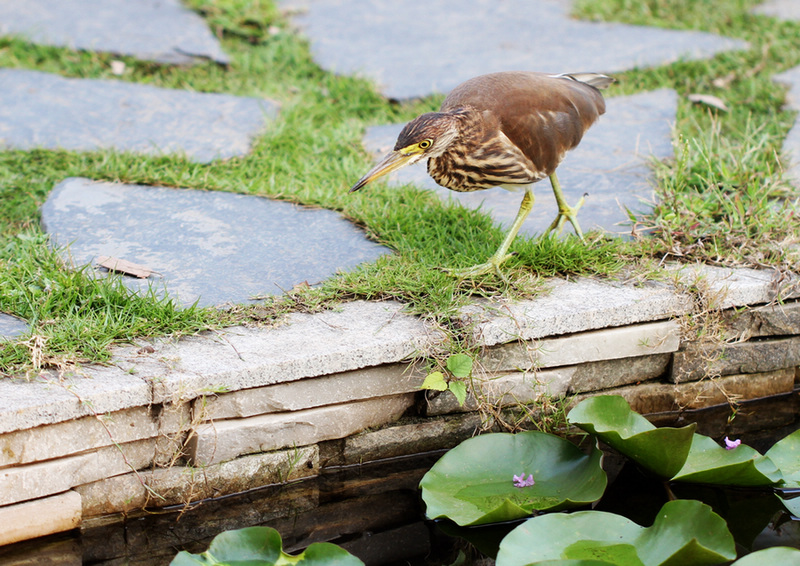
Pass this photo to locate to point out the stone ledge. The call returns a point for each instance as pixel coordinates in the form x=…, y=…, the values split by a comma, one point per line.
x=180, y=484
x=585, y=347
x=23, y=521
x=32, y=481
x=225, y=440
x=695, y=362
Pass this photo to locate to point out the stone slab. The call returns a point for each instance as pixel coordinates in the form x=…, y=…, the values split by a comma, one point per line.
x=153, y=30
x=404, y=440
x=649, y=398
x=415, y=48
x=695, y=362
x=23, y=483
x=87, y=433
x=225, y=440
x=182, y=484
x=791, y=145
x=24, y=521
x=611, y=166
x=201, y=243
x=378, y=381
x=590, y=304
x=782, y=9
x=50, y=399
x=43, y=110
x=11, y=327
x=571, y=306
x=608, y=344
x=765, y=320
x=354, y=336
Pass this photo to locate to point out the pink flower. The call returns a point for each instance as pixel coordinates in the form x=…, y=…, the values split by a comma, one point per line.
x=731, y=444
x=520, y=481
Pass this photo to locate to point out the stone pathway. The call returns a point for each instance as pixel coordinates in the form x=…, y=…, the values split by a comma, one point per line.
x=382, y=40
x=206, y=246
x=42, y=110
x=155, y=30
x=417, y=47
x=788, y=10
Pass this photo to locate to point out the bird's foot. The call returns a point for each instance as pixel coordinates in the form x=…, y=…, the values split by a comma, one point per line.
x=492, y=265
x=566, y=212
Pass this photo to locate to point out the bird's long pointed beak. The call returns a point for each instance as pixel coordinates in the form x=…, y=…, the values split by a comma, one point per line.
x=392, y=162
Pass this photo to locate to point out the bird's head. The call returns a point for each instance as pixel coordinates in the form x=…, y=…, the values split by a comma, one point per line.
x=428, y=135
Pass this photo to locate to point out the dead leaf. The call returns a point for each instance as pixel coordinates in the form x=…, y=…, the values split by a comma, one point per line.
x=708, y=100
x=124, y=266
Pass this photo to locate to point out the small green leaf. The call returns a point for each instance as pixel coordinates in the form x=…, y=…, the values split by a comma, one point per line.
x=460, y=365
x=785, y=454
x=434, y=381
x=459, y=389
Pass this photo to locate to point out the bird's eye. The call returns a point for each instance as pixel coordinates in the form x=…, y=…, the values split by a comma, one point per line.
x=425, y=144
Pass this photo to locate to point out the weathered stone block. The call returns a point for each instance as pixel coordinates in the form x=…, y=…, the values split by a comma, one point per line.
x=379, y=381
x=766, y=320
x=87, y=433
x=357, y=335
x=23, y=483
x=695, y=361
x=226, y=440
x=605, y=374
x=409, y=439
x=664, y=397
x=51, y=398
x=182, y=484
x=529, y=387
x=608, y=344
x=40, y=517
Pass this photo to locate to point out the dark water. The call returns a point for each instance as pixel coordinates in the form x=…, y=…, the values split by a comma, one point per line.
x=374, y=510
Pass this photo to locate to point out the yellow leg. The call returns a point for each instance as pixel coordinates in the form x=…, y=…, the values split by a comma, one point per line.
x=501, y=255
x=565, y=211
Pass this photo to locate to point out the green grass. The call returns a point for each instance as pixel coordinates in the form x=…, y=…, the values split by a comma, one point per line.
x=722, y=199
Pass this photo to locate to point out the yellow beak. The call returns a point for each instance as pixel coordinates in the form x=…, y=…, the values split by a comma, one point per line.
x=391, y=162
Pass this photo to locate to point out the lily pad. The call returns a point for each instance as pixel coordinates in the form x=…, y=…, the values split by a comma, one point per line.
x=710, y=463
x=775, y=556
x=473, y=484
x=262, y=546
x=786, y=455
x=662, y=451
x=685, y=533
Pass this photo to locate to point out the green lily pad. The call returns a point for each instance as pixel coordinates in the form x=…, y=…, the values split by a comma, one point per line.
x=775, y=556
x=710, y=463
x=662, y=451
x=262, y=546
x=685, y=533
x=785, y=454
x=473, y=484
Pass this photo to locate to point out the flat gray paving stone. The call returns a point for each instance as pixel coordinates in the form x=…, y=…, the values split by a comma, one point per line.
x=782, y=9
x=417, y=47
x=610, y=164
x=791, y=145
x=215, y=246
x=11, y=327
x=43, y=110
x=152, y=30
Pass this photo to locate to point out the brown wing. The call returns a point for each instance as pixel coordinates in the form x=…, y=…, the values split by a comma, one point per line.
x=543, y=115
